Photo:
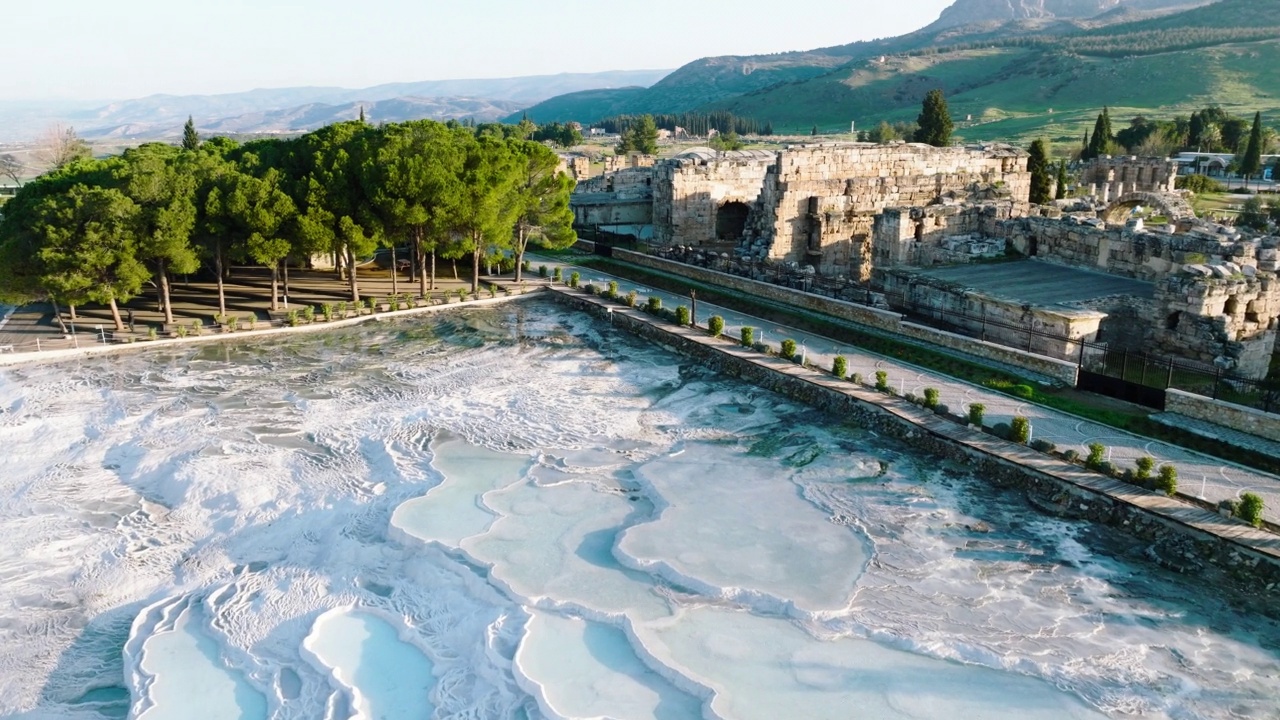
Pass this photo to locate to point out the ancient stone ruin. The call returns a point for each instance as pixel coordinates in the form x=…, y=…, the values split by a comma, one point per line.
x=871, y=223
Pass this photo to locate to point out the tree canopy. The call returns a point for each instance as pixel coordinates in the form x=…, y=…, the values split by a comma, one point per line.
x=641, y=136
x=100, y=230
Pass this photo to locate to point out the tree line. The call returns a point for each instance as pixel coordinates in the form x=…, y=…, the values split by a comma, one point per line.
x=694, y=123
x=99, y=230
x=1211, y=130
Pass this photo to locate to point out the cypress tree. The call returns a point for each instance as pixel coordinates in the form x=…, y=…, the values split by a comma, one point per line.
x=361, y=114
x=1251, y=163
x=1102, y=136
x=1195, y=130
x=935, y=121
x=1061, y=192
x=1038, y=164
x=190, y=138
x=1084, y=149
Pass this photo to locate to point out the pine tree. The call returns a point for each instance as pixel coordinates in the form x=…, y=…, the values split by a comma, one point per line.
x=1038, y=165
x=1061, y=192
x=361, y=114
x=1251, y=163
x=190, y=138
x=935, y=121
x=1084, y=149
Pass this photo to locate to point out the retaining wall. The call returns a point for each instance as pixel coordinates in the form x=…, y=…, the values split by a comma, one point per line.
x=884, y=320
x=1236, y=417
x=986, y=457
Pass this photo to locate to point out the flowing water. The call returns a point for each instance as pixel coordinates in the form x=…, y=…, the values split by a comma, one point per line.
x=518, y=512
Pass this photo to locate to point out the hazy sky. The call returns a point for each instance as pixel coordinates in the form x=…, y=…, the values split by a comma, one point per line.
x=114, y=49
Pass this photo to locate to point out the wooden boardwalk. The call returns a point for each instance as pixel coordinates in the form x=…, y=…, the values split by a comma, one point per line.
x=1158, y=505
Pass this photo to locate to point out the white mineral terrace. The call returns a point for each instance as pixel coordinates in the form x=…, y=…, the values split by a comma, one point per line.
x=519, y=511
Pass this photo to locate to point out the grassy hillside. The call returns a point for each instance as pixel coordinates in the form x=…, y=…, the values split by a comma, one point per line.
x=1226, y=54
x=586, y=106
x=1015, y=80
x=721, y=78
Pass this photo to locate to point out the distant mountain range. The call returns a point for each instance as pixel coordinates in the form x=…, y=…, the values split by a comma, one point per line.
x=306, y=108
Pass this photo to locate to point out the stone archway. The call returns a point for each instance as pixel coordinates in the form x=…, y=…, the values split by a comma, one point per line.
x=731, y=221
x=1171, y=205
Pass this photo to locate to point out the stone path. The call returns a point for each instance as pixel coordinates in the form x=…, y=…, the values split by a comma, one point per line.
x=1199, y=475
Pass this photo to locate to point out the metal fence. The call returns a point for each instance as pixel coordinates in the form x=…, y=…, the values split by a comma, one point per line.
x=1136, y=368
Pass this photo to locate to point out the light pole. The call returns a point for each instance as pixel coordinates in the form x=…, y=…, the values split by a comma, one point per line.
x=74, y=339
x=102, y=334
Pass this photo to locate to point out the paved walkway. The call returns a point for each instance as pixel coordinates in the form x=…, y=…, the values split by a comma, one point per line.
x=1199, y=475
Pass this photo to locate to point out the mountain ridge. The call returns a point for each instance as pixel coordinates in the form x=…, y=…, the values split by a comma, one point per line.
x=723, y=81
x=155, y=115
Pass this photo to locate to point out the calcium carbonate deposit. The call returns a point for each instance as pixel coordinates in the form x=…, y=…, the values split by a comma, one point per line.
x=519, y=512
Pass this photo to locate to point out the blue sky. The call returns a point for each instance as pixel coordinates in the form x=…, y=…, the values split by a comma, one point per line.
x=109, y=49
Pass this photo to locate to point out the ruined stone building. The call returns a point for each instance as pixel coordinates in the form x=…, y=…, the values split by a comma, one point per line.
x=1111, y=178
x=817, y=204
x=913, y=225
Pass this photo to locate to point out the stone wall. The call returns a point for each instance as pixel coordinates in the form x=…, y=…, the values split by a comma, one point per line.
x=883, y=320
x=577, y=167
x=692, y=191
x=945, y=234
x=618, y=163
x=1049, y=487
x=1236, y=417
x=628, y=184
x=1110, y=177
x=1050, y=332
x=1218, y=315
x=1092, y=245
x=818, y=203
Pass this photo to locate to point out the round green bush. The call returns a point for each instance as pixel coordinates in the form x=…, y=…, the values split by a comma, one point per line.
x=931, y=398
x=976, y=413
x=1167, y=481
x=788, y=350
x=839, y=366
x=682, y=316
x=1097, y=455
x=1144, y=466
x=715, y=326
x=1020, y=430
x=882, y=380
x=748, y=336
x=1250, y=509
x=574, y=277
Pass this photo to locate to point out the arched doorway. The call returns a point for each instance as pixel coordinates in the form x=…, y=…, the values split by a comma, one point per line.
x=731, y=221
